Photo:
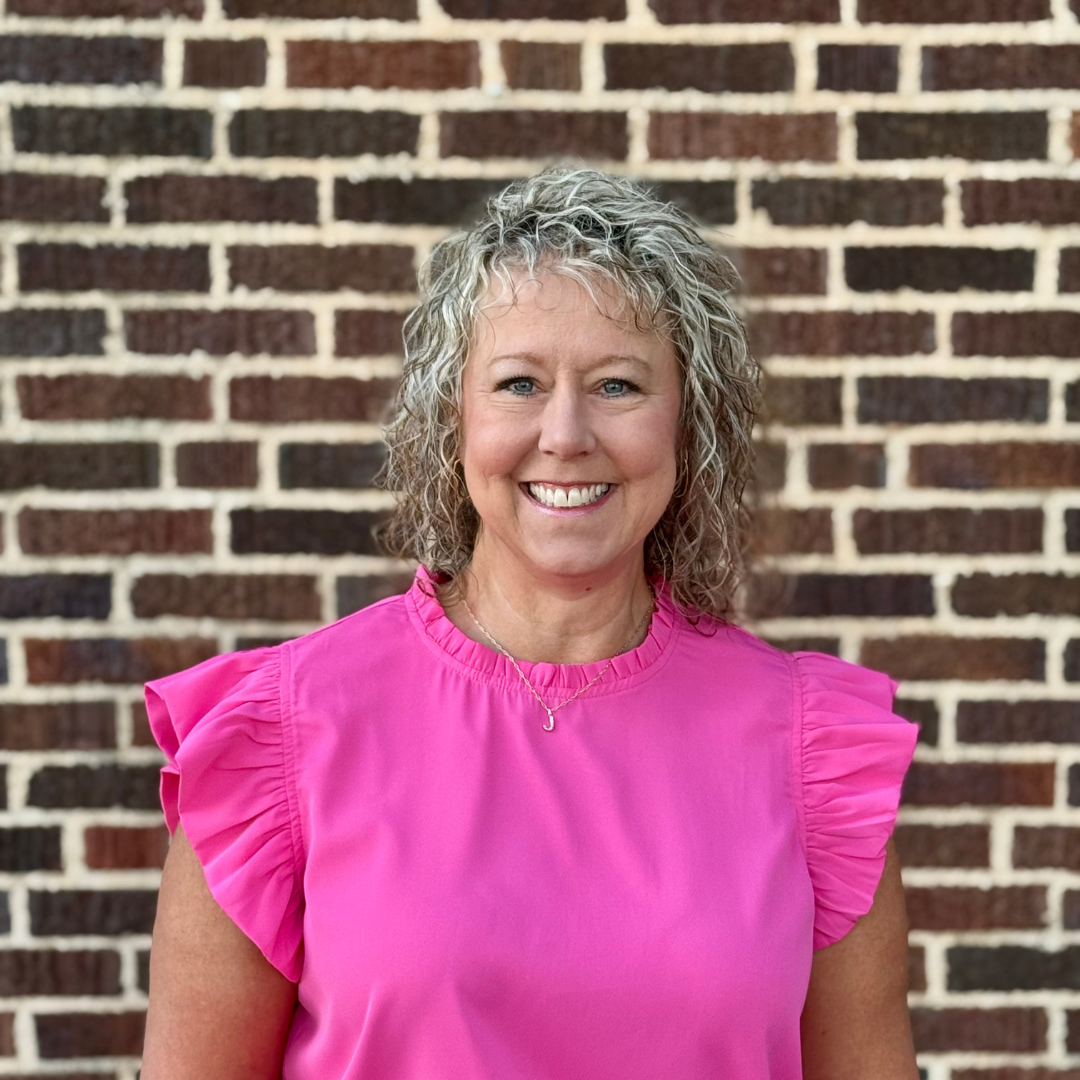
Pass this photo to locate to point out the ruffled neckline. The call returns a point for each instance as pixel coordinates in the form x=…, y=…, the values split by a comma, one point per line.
x=485, y=663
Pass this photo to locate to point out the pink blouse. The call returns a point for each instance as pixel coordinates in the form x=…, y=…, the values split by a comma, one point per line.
x=459, y=893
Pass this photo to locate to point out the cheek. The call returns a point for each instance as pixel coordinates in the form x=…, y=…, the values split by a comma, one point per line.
x=492, y=446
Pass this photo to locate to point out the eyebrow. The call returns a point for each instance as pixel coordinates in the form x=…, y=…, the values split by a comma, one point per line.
x=610, y=358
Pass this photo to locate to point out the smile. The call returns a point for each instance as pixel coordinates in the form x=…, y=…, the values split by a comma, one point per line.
x=558, y=497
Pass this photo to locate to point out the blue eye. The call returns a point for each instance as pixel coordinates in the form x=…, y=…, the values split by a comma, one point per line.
x=618, y=387
x=521, y=385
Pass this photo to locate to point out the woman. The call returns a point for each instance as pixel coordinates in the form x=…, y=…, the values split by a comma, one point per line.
x=549, y=814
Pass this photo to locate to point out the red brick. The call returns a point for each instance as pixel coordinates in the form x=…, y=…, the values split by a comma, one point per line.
x=1003, y=1029
x=382, y=65
x=58, y=725
x=264, y=399
x=541, y=65
x=938, y=656
x=1018, y=907
x=842, y=465
x=1022, y=721
x=224, y=64
x=948, y=531
x=1001, y=67
x=979, y=783
x=1046, y=846
x=995, y=465
x=314, y=268
x=783, y=271
x=125, y=848
x=905, y=399
x=112, y=660
x=798, y=401
x=529, y=134
x=114, y=532
x=29, y=58
x=314, y=133
x=76, y=267
x=972, y=136
x=826, y=201
x=217, y=464
x=78, y=466
x=368, y=332
x=770, y=136
x=1043, y=200
x=943, y=845
x=1017, y=333
x=320, y=9
x=56, y=973
x=218, y=333
x=226, y=596
x=535, y=9
x=221, y=198
x=113, y=397
x=865, y=68
x=44, y=197
x=745, y=11
x=786, y=531
x=842, y=333
x=736, y=69
x=953, y=11
x=103, y=9
x=90, y=1034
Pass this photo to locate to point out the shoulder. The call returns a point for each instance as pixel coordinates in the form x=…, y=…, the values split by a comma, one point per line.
x=354, y=636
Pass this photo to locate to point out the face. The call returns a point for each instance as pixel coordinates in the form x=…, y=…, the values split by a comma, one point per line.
x=569, y=424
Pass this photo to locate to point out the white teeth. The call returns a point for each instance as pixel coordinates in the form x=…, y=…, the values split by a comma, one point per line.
x=575, y=496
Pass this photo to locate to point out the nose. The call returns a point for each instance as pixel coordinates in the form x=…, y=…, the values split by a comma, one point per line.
x=565, y=427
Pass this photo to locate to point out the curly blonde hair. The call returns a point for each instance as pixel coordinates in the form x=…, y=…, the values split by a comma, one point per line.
x=598, y=229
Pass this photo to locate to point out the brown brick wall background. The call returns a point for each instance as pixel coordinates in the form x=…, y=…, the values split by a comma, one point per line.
x=211, y=215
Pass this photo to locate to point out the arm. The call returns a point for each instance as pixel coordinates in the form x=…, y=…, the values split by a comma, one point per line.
x=855, y=1021
x=218, y=1008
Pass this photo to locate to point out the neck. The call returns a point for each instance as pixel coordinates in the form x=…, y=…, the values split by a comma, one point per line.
x=551, y=619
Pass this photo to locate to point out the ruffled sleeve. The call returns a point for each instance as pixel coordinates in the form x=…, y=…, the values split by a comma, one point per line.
x=852, y=752
x=228, y=780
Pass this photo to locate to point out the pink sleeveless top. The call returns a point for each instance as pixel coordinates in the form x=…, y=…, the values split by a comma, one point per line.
x=460, y=893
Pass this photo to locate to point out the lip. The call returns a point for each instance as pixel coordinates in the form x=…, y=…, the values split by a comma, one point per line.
x=566, y=511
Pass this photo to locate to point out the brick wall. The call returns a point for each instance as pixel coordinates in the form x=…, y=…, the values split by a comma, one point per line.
x=212, y=211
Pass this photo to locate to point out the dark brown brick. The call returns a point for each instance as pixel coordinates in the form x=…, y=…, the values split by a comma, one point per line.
x=103, y=9
x=1072, y=530
x=1018, y=722
x=1047, y=846
x=313, y=133
x=987, y=595
x=421, y=201
x=1012, y=967
x=112, y=660
x=867, y=68
x=52, y=332
x=76, y=267
x=315, y=268
x=995, y=465
x=120, y=847
x=90, y=1034
x=770, y=465
x=535, y=9
x=329, y=465
x=382, y=65
x=1044, y=200
x=92, y=911
x=76, y=466
x=226, y=596
x=265, y=399
x=709, y=201
x=829, y=645
x=321, y=9
x=1070, y=919
x=948, y=531
x=355, y=592
x=921, y=711
x=57, y=725
x=368, y=332
x=988, y=136
x=1017, y=1072
x=42, y=197
x=316, y=532
x=821, y=201
x=1069, y=268
x=736, y=69
x=864, y=595
x=943, y=845
x=1018, y=907
x=118, y=131
x=939, y=269
x=224, y=64
x=797, y=401
x=1001, y=67
x=218, y=333
x=134, y=787
x=938, y=656
x=1072, y=407
x=842, y=333
x=217, y=464
x=783, y=271
x=953, y=11
x=541, y=65
x=745, y=11
x=522, y=133
x=771, y=136
x=1073, y=779
x=58, y=973
x=1004, y=1029
x=916, y=969
x=62, y=596
x=114, y=532
x=29, y=848
x=1072, y=660
x=1016, y=333
x=842, y=465
x=786, y=531
x=900, y=399
x=221, y=198
x=979, y=783
x=113, y=397
x=29, y=58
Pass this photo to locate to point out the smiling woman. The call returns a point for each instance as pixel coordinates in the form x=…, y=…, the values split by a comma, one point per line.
x=390, y=861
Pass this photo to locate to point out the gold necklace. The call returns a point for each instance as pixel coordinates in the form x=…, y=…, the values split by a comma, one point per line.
x=551, y=710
